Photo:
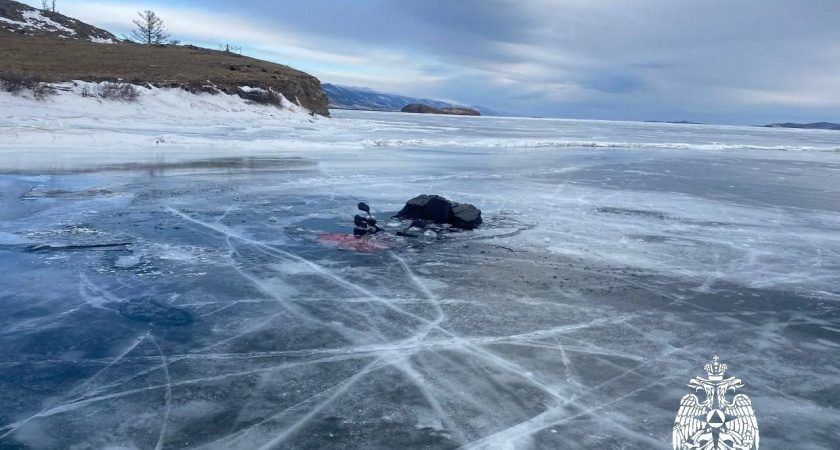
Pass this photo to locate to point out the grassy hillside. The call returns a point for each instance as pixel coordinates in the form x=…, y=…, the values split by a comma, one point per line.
x=53, y=58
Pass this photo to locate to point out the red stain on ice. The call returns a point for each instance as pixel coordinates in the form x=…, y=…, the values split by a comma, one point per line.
x=351, y=242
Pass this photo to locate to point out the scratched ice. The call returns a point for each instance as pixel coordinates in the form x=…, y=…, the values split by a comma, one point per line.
x=155, y=305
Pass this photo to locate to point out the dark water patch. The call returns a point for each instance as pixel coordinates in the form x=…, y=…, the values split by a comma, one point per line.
x=164, y=168
x=37, y=194
x=632, y=212
x=155, y=313
x=331, y=225
x=75, y=238
x=104, y=247
x=342, y=224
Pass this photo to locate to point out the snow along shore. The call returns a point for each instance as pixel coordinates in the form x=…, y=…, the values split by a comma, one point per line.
x=69, y=130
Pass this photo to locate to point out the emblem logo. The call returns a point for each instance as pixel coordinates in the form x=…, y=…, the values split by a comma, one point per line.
x=715, y=423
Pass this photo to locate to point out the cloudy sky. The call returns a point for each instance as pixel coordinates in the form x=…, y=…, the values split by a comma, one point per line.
x=716, y=61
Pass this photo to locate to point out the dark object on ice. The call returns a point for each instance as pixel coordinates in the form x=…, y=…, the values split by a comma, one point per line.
x=419, y=224
x=362, y=228
x=364, y=207
x=155, y=313
x=365, y=225
x=465, y=216
x=360, y=221
x=435, y=208
x=370, y=220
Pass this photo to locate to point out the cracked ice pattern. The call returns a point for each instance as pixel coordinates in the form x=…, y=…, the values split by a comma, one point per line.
x=158, y=309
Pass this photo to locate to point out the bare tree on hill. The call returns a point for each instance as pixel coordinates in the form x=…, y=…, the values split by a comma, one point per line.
x=149, y=30
x=48, y=5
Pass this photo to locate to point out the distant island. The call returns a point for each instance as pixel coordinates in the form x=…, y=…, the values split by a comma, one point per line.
x=346, y=97
x=420, y=108
x=810, y=126
x=676, y=122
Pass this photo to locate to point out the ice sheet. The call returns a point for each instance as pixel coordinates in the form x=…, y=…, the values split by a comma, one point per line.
x=149, y=301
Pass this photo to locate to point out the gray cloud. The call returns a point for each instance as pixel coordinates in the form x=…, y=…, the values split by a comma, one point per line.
x=744, y=61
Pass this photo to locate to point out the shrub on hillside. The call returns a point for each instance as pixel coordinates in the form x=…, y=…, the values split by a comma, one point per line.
x=42, y=90
x=15, y=84
x=124, y=92
x=194, y=87
x=12, y=83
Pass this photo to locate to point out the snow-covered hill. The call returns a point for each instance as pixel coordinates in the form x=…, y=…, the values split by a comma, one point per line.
x=23, y=19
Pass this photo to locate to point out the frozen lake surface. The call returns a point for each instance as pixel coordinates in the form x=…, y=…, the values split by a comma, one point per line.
x=166, y=285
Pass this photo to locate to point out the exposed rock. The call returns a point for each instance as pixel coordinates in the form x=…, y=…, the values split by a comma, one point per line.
x=435, y=208
x=465, y=216
x=426, y=109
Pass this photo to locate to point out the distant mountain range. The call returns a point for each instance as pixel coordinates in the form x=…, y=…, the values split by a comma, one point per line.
x=345, y=97
x=811, y=126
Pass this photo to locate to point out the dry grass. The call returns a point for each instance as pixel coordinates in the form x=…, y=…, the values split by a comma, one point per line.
x=189, y=67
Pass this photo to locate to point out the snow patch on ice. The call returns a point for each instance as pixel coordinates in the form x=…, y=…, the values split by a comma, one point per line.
x=530, y=143
x=126, y=262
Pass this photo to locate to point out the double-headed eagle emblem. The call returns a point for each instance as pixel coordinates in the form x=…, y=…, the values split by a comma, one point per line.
x=715, y=423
